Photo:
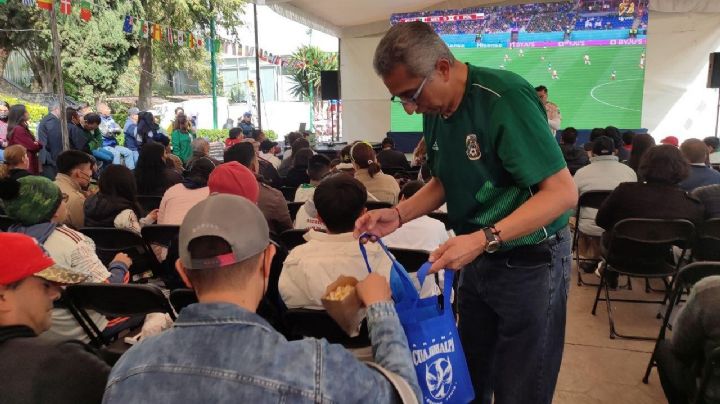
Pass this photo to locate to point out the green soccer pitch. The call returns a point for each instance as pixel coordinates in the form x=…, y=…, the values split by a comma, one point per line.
x=587, y=95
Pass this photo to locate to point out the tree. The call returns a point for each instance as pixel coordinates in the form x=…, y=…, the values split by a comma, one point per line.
x=304, y=69
x=188, y=15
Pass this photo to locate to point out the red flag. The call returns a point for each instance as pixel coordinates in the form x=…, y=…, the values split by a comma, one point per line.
x=86, y=7
x=65, y=7
x=45, y=4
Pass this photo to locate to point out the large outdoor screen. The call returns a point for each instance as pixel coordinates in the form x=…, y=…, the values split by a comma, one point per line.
x=589, y=54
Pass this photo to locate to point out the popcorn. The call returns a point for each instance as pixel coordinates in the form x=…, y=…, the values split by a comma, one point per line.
x=340, y=293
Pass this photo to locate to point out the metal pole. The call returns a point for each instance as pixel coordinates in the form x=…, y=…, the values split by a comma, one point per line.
x=717, y=114
x=213, y=68
x=57, y=48
x=258, y=91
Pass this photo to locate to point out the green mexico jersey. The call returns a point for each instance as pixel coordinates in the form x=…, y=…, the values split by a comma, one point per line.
x=492, y=153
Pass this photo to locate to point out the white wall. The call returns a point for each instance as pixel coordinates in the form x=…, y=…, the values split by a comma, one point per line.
x=676, y=101
x=366, y=101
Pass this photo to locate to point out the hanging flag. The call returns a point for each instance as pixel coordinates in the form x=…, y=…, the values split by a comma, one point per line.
x=28, y=3
x=169, y=36
x=3, y=1
x=146, y=29
x=156, y=32
x=65, y=7
x=200, y=42
x=128, y=25
x=218, y=46
x=86, y=7
x=190, y=40
x=180, y=38
x=45, y=4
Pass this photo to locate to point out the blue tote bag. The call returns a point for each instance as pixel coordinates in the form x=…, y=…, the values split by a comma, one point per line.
x=432, y=335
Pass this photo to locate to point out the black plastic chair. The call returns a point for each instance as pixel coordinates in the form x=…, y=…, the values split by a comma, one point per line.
x=411, y=260
x=686, y=278
x=181, y=298
x=292, y=238
x=707, y=245
x=288, y=193
x=149, y=202
x=441, y=216
x=640, y=248
x=6, y=222
x=293, y=208
x=110, y=241
x=115, y=301
x=589, y=199
x=393, y=171
x=372, y=205
x=318, y=324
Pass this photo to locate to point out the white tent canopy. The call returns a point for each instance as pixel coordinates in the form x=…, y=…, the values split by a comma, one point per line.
x=675, y=98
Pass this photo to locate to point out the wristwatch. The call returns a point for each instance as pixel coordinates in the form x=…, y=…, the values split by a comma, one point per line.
x=493, y=242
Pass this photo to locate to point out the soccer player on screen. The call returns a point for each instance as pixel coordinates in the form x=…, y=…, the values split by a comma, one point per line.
x=587, y=59
x=506, y=58
x=521, y=53
x=613, y=75
x=550, y=67
x=554, y=75
x=642, y=61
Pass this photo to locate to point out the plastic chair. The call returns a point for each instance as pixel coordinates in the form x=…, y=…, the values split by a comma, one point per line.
x=589, y=199
x=149, y=202
x=6, y=222
x=110, y=241
x=288, y=193
x=688, y=276
x=318, y=324
x=113, y=300
x=707, y=245
x=441, y=216
x=292, y=238
x=372, y=205
x=294, y=207
x=650, y=241
x=181, y=298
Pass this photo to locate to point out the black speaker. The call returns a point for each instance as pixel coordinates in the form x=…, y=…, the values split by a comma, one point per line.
x=714, y=71
x=330, y=84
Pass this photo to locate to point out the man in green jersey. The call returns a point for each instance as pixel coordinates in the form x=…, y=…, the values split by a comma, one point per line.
x=508, y=193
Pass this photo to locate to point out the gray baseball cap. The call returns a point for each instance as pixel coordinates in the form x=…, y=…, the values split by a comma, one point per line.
x=234, y=219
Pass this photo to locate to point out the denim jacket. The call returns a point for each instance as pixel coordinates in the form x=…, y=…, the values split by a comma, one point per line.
x=220, y=352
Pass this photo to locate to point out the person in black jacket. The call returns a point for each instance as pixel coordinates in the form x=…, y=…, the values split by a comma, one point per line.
x=34, y=370
x=575, y=157
x=658, y=197
x=50, y=136
x=388, y=157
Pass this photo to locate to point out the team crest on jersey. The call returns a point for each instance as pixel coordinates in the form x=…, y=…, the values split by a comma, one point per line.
x=472, y=148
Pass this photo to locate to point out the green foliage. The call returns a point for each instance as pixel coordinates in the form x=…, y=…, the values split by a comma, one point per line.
x=270, y=134
x=304, y=69
x=213, y=135
x=36, y=111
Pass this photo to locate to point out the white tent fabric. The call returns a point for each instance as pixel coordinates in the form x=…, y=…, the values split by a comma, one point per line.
x=685, y=6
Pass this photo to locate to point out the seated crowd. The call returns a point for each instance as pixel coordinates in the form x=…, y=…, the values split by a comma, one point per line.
x=245, y=280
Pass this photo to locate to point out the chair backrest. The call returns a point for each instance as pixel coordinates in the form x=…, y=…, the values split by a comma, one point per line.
x=162, y=234
x=318, y=324
x=288, y=193
x=119, y=299
x=707, y=246
x=149, y=202
x=592, y=199
x=642, y=245
x=392, y=171
x=441, y=216
x=292, y=238
x=110, y=241
x=181, y=298
x=372, y=205
x=690, y=274
x=6, y=222
x=411, y=260
x=293, y=208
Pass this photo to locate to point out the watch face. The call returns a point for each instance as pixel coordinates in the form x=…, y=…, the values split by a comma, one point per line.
x=492, y=246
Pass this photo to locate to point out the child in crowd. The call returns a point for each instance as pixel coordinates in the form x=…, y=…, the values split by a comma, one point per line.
x=181, y=139
x=318, y=167
x=235, y=136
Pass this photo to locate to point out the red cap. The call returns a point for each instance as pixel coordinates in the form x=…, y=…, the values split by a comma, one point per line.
x=236, y=179
x=671, y=140
x=28, y=259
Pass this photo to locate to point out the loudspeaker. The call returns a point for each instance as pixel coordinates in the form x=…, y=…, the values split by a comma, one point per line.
x=329, y=84
x=714, y=71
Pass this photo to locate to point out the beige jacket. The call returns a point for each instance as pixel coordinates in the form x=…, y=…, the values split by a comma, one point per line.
x=384, y=187
x=76, y=201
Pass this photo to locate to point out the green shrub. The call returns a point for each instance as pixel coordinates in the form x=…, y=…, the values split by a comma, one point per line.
x=213, y=135
x=36, y=111
x=271, y=134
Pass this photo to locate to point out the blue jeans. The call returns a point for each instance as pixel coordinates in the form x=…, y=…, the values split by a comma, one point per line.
x=512, y=308
x=119, y=153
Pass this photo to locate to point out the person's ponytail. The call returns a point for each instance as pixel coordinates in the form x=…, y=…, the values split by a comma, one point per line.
x=373, y=168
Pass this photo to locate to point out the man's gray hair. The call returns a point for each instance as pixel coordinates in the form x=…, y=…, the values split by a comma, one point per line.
x=199, y=145
x=53, y=105
x=414, y=44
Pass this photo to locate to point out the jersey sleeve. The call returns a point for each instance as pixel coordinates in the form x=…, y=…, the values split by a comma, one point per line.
x=529, y=152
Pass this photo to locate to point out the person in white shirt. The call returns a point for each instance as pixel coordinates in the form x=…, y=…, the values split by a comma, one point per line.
x=604, y=173
x=318, y=167
x=423, y=233
x=268, y=151
x=311, y=267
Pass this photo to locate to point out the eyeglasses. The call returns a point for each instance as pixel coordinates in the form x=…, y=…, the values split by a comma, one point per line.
x=412, y=100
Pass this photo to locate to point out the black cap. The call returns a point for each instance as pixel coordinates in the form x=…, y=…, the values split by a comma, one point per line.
x=603, y=146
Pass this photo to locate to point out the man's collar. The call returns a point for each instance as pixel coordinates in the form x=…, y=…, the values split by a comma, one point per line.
x=325, y=237
x=604, y=158
x=698, y=164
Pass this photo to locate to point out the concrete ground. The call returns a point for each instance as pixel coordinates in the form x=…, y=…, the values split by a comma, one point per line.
x=597, y=369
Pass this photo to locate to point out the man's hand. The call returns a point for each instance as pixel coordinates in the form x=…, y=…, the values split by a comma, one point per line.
x=378, y=222
x=123, y=258
x=458, y=252
x=152, y=217
x=373, y=289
